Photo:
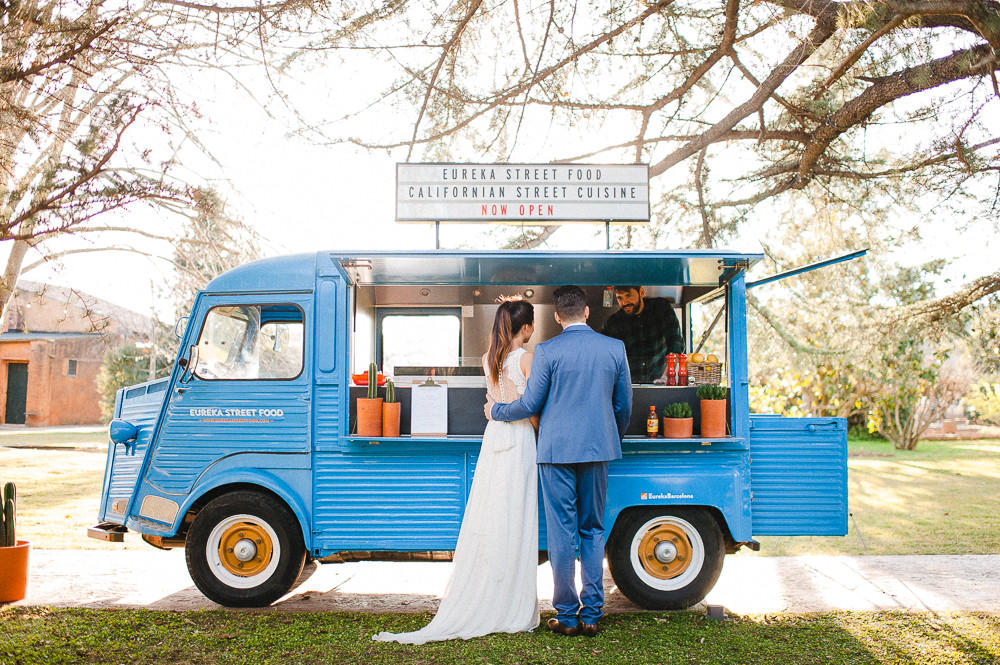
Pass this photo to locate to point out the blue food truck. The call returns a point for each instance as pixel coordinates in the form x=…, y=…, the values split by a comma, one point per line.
x=247, y=454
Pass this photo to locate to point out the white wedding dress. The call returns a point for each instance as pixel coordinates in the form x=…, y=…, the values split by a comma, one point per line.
x=492, y=588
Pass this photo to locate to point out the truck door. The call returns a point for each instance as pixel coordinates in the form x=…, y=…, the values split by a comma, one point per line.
x=798, y=476
x=245, y=390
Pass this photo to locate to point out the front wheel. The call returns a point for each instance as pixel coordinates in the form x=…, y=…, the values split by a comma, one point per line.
x=666, y=558
x=244, y=549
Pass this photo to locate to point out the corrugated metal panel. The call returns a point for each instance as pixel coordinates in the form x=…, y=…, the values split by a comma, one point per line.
x=388, y=501
x=798, y=476
x=140, y=407
x=189, y=442
x=327, y=411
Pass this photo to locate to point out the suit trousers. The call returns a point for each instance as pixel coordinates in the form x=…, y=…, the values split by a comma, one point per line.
x=574, y=496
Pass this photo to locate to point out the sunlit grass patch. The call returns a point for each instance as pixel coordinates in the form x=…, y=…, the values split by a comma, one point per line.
x=29, y=636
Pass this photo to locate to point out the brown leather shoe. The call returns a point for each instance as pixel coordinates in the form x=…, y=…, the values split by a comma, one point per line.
x=588, y=629
x=557, y=626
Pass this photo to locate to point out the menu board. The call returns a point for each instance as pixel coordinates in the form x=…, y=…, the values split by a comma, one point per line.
x=429, y=408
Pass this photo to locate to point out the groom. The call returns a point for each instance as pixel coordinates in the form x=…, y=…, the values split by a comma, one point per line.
x=580, y=383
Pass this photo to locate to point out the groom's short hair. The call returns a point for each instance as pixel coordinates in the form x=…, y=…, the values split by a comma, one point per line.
x=570, y=302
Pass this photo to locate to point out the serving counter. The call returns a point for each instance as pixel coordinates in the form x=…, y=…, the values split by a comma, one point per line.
x=466, y=418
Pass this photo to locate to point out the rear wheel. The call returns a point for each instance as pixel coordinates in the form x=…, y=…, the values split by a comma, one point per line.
x=244, y=549
x=666, y=558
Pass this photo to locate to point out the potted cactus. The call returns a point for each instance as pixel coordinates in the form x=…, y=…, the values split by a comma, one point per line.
x=712, y=405
x=678, y=423
x=390, y=411
x=13, y=552
x=370, y=408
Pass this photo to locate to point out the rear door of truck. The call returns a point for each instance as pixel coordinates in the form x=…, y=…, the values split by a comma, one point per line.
x=798, y=471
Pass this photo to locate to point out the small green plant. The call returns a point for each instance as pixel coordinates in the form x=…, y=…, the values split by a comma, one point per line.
x=372, y=381
x=677, y=410
x=711, y=392
x=390, y=392
x=7, y=536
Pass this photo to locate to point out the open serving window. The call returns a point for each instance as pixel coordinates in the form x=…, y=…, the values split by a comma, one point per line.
x=421, y=314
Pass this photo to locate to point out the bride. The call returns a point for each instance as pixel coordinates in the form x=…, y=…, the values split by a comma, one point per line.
x=492, y=588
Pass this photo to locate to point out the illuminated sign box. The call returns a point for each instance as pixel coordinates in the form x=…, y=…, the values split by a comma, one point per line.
x=540, y=193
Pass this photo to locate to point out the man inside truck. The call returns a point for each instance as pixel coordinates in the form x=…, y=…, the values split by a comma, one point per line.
x=650, y=330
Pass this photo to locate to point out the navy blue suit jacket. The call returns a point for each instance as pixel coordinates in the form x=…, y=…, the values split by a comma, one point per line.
x=580, y=384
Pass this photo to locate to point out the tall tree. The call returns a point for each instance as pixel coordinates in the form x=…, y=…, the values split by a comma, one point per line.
x=742, y=109
x=93, y=119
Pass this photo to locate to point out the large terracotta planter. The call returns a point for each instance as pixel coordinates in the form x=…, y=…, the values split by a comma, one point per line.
x=369, y=416
x=390, y=418
x=678, y=428
x=713, y=418
x=14, y=571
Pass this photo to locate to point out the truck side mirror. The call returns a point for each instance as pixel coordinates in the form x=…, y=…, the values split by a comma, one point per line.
x=189, y=364
x=180, y=326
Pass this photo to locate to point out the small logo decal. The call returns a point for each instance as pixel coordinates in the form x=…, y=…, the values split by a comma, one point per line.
x=646, y=496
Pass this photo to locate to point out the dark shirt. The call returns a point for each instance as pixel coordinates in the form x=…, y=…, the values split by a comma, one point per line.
x=649, y=336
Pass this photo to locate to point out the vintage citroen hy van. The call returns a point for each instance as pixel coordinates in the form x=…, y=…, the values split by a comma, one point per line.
x=247, y=456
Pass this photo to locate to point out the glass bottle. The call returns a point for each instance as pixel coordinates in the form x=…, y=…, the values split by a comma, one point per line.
x=652, y=422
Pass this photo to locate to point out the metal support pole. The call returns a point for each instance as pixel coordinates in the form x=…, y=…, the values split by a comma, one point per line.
x=437, y=235
x=607, y=234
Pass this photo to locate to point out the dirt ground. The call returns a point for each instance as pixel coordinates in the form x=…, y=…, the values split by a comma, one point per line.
x=748, y=585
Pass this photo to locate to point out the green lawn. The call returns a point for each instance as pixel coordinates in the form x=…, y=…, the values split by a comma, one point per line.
x=31, y=635
x=937, y=499
x=68, y=437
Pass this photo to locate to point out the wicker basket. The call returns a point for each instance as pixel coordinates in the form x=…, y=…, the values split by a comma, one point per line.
x=701, y=374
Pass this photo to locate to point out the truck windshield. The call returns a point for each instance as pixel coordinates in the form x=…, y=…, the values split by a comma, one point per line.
x=251, y=342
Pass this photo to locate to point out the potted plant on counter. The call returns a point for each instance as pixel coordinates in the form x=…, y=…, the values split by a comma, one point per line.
x=390, y=411
x=678, y=422
x=713, y=410
x=370, y=409
x=13, y=552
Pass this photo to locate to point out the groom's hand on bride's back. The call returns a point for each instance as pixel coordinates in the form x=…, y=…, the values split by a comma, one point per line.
x=488, y=407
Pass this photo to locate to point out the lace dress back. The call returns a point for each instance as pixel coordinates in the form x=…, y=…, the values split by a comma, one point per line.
x=492, y=588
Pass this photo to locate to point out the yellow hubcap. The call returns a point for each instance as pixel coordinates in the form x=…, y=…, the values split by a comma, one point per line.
x=245, y=549
x=665, y=551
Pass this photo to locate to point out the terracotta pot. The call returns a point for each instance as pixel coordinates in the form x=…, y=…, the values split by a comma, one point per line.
x=678, y=428
x=14, y=571
x=390, y=418
x=369, y=416
x=713, y=417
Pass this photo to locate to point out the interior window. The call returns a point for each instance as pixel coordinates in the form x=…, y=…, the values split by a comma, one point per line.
x=421, y=338
x=251, y=342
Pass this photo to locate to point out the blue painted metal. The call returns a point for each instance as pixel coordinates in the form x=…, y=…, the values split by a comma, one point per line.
x=352, y=493
x=139, y=406
x=689, y=267
x=799, y=476
x=122, y=431
x=808, y=268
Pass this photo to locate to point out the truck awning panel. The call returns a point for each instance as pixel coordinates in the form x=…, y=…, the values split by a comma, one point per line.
x=687, y=268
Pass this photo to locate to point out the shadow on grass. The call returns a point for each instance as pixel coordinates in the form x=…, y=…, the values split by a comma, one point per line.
x=31, y=636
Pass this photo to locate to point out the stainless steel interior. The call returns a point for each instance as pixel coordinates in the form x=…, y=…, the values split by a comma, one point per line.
x=479, y=305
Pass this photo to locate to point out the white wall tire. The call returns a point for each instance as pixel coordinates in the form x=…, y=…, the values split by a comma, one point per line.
x=664, y=557
x=244, y=549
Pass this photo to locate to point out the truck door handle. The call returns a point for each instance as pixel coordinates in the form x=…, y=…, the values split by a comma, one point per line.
x=812, y=427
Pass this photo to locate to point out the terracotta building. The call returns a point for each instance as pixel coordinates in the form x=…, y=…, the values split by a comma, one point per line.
x=52, y=347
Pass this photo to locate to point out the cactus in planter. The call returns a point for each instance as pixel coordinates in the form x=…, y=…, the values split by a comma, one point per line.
x=372, y=381
x=677, y=410
x=390, y=392
x=7, y=536
x=711, y=392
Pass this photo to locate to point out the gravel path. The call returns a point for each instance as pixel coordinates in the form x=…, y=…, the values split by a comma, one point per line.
x=749, y=584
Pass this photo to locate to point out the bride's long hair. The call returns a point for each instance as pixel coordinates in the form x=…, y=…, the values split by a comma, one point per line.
x=512, y=315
